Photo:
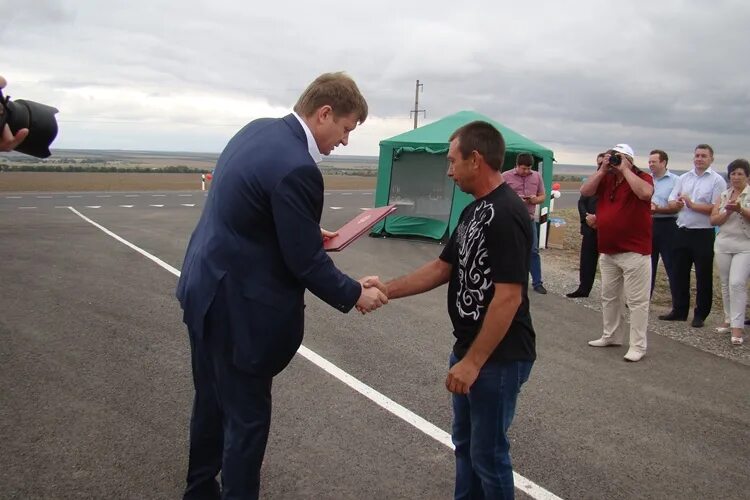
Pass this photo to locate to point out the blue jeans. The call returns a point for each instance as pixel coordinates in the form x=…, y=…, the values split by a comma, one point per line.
x=535, y=264
x=480, y=424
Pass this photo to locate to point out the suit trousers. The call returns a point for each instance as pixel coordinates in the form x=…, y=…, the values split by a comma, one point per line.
x=588, y=259
x=693, y=247
x=625, y=280
x=662, y=243
x=231, y=416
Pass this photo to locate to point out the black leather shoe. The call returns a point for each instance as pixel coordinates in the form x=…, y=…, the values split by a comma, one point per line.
x=576, y=293
x=697, y=322
x=672, y=316
x=540, y=289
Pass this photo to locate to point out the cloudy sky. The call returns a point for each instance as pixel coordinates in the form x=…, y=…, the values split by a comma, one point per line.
x=576, y=76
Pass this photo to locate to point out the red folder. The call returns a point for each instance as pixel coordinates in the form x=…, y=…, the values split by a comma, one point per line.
x=357, y=227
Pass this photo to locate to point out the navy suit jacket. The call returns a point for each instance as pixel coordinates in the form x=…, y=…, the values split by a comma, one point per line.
x=259, y=238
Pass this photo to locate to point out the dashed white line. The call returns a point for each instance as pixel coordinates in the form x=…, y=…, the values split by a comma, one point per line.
x=13, y=197
x=26, y=208
x=157, y=206
x=159, y=195
x=185, y=195
x=335, y=208
x=530, y=488
x=74, y=196
x=364, y=208
x=132, y=195
x=346, y=194
x=44, y=197
x=104, y=196
x=126, y=206
x=93, y=206
x=187, y=204
x=367, y=193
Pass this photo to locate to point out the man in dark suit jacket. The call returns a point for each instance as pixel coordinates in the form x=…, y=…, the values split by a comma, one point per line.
x=589, y=252
x=255, y=250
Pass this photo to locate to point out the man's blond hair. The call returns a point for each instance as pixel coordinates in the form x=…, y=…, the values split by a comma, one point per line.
x=337, y=90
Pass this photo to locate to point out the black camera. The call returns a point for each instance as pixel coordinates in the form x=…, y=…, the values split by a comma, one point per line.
x=615, y=159
x=38, y=118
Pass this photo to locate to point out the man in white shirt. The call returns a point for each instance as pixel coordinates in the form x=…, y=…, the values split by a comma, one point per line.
x=694, y=195
x=664, y=217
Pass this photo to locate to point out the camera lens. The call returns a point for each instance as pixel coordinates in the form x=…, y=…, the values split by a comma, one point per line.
x=39, y=119
x=615, y=160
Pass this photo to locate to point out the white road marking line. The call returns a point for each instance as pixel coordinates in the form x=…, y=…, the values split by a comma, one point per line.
x=161, y=195
x=126, y=206
x=187, y=204
x=529, y=487
x=104, y=196
x=184, y=195
x=364, y=208
x=346, y=194
x=335, y=208
x=74, y=196
x=61, y=206
x=44, y=197
x=157, y=206
x=127, y=243
x=367, y=193
x=93, y=206
x=132, y=195
x=13, y=197
x=26, y=208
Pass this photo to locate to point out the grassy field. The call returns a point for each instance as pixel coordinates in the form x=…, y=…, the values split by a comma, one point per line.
x=91, y=181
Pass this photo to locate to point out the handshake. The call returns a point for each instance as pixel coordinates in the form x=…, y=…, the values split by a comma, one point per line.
x=374, y=294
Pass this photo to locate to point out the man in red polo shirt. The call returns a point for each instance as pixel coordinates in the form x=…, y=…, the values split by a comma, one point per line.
x=623, y=218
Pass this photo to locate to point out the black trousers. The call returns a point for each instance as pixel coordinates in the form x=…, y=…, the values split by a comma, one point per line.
x=588, y=260
x=662, y=244
x=693, y=247
x=231, y=416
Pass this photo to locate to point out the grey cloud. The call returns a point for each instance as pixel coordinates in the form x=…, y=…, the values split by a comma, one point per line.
x=579, y=74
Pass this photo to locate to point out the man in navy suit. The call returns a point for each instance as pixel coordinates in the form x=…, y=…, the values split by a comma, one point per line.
x=256, y=248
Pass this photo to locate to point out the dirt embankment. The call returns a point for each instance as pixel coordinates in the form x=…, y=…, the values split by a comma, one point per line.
x=95, y=181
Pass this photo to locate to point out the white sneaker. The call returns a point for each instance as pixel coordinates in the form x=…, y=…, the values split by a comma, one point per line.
x=603, y=342
x=723, y=329
x=634, y=355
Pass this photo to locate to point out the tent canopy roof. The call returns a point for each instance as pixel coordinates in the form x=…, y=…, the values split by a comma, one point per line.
x=437, y=134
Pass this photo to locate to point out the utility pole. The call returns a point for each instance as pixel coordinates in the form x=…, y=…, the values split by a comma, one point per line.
x=416, y=109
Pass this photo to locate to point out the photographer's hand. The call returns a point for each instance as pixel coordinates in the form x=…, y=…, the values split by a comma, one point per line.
x=9, y=142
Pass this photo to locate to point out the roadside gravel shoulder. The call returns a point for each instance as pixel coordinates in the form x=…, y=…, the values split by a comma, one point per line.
x=561, y=277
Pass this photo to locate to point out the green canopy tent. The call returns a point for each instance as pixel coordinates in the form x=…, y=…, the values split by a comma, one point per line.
x=412, y=174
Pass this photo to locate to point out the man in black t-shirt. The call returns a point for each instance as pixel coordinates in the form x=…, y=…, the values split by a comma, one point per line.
x=486, y=263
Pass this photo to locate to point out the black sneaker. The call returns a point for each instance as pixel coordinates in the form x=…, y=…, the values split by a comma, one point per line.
x=540, y=289
x=576, y=293
x=697, y=322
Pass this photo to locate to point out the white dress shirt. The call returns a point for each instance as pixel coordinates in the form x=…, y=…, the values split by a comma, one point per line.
x=706, y=188
x=312, y=146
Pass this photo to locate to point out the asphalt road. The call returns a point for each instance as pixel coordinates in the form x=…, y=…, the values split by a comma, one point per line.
x=95, y=386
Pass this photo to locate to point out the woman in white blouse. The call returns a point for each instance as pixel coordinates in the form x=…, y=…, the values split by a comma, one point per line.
x=732, y=247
